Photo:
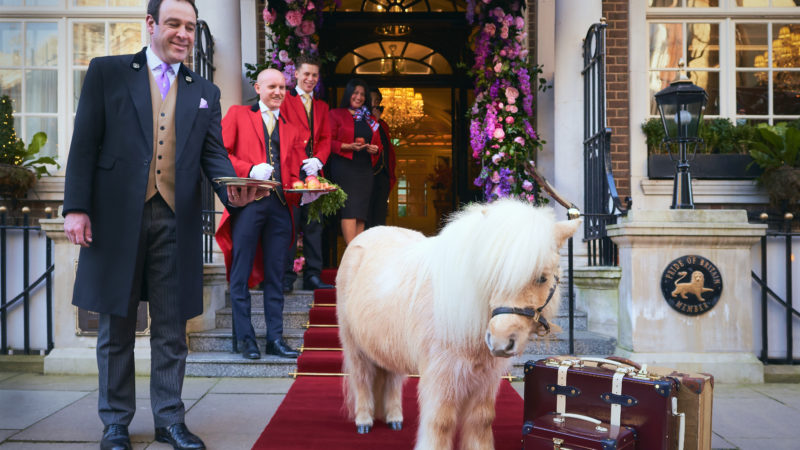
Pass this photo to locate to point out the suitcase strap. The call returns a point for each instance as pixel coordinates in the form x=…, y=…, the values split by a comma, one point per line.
x=561, y=399
x=616, y=389
x=682, y=425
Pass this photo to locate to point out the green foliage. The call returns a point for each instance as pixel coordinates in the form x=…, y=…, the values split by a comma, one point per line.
x=13, y=150
x=654, y=134
x=328, y=204
x=719, y=135
x=775, y=146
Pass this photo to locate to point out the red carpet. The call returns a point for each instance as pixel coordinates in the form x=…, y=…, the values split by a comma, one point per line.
x=312, y=414
x=311, y=417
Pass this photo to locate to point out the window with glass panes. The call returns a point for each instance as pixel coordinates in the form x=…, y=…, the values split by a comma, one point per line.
x=45, y=49
x=744, y=53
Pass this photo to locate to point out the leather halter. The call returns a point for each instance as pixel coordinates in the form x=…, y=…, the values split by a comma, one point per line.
x=536, y=314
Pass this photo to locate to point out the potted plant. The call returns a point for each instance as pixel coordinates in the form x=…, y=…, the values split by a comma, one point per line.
x=19, y=165
x=723, y=154
x=775, y=150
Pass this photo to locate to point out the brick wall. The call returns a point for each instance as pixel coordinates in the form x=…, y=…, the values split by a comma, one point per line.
x=617, y=88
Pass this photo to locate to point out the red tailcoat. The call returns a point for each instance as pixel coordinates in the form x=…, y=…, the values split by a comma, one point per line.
x=343, y=131
x=295, y=113
x=390, y=153
x=243, y=137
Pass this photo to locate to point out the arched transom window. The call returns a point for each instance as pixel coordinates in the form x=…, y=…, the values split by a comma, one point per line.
x=394, y=58
x=400, y=6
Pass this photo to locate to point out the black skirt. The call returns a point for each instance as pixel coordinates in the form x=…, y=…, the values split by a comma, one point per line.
x=355, y=177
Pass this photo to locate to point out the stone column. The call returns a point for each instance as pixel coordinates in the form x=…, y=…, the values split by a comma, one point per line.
x=718, y=341
x=597, y=293
x=224, y=20
x=563, y=164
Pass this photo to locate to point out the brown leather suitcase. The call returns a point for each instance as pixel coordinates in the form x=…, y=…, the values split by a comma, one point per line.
x=572, y=431
x=607, y=390
x=695, y=400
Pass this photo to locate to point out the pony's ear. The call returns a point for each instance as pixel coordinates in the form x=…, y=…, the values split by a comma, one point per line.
x=565, y=229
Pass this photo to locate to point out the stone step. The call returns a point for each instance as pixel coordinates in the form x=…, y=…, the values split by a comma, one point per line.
x=220, y=340
x=293, y=317
x=296, y=298
x=223, y=363
x=296, y=316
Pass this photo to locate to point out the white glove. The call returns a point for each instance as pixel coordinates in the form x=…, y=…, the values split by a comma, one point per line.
x=261, y=171
x=309, y=197
x=312, y=166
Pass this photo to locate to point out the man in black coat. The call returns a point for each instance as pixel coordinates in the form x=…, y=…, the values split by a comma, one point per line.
x=145, y=130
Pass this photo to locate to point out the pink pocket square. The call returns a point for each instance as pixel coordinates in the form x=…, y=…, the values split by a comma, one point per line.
x=203, y=103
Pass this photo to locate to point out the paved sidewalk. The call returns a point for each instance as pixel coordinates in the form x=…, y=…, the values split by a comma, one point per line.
x=59, y=412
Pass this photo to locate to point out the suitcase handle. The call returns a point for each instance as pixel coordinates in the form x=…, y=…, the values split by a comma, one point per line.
x=581, y=417
x=601, y=361
x=627, y=361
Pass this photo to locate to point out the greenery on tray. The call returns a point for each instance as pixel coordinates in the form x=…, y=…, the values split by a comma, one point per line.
x=327, y=204
x=720, y=136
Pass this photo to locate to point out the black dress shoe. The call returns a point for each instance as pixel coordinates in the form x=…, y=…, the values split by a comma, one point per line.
x=279, y=347
x=115, y=437
x=179, y=437
x=250, y=349
x=313, y=283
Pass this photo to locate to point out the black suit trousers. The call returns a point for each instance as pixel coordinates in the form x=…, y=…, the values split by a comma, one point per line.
x=155, y=278
x=269, y=221
x=378, y=201
x=312, y=246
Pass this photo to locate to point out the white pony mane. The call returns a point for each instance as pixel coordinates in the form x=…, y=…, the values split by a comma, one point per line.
x=485, y=250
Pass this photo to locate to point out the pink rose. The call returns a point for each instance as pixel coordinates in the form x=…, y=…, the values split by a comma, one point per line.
x=494, y=146
x=508, y=19
x=495, y=177
x=499, y=134
x=268, y=16
x=509, y=120
x=503, y=52
x=498, y=12
x=504, y=32
x=519, y=140
x=496, y=158
x=512, y=109
x=498, y=67
x=487, y=153
x=298, y=264
x=293, y=18
x=310, y=6
x=490, y=29
x=306, y=28
x=283, y=56
x=511, y=94
x=519, y=22
x=531, y=198
x=527, y=185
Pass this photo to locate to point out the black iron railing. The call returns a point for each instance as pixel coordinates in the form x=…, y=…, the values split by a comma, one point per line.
x=203, y=64
x=602, y=202
x=9, y=230
x=781, y=233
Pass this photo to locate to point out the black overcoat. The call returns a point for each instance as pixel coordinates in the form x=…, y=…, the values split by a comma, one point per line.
x=107, y=172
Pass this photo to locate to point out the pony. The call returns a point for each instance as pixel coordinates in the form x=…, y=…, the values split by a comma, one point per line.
x=452, y=308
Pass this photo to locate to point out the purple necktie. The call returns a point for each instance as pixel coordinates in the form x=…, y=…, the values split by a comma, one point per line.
x=163, y=79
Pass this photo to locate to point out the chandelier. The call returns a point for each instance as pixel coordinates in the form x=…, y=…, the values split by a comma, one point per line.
x=785, y=53
x=402, y=107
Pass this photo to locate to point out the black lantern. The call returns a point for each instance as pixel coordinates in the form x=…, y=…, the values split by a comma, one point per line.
x=681, y=106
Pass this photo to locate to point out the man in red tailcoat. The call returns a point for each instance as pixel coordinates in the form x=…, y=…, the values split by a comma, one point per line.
x=303, y=110
x=255, y=240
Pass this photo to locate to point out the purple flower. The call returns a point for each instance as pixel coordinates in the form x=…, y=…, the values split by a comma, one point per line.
x=527, y=185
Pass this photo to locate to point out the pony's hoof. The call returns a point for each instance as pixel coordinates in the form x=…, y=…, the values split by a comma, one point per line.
x=363, y=429
x=396, y=426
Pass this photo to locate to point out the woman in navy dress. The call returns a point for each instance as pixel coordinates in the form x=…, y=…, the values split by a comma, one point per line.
x=355, y=147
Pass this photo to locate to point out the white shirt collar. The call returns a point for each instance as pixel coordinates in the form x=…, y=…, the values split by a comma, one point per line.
x=154, y=61
x=264, y=108
x=301, y=92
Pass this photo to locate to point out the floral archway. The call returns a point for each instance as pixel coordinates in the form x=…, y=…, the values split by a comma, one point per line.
x=502, y=137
